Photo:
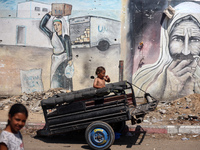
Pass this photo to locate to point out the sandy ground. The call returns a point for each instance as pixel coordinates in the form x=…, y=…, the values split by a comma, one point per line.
x=177, y=112
x=139, y=141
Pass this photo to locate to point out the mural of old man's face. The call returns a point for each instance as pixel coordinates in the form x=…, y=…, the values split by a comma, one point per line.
x=176, y=73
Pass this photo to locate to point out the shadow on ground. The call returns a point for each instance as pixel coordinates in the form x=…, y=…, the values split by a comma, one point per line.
x=78, y=137
x=132, y=137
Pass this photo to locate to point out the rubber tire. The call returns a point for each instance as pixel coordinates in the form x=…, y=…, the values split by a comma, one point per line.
x=103, y=45
x=105, y=130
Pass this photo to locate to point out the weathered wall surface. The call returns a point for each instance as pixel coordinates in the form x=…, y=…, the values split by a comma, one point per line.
x=167, y=66
x=160, y=49
x=34, y=58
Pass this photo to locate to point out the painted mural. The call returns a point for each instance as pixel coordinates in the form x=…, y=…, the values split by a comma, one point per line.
x=175, y=73
x=65, y=40
x=62, y=51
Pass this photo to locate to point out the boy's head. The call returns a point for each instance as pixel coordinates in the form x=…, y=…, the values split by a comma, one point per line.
x=100, y=70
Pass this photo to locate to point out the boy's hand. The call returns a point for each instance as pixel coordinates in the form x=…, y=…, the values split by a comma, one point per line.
x=70, y=62
x=107, y=78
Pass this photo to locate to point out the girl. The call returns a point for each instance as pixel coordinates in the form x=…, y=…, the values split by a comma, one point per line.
x=11, y=138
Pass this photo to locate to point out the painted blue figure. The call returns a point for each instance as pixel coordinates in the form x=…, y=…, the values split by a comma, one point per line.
x=61, y=67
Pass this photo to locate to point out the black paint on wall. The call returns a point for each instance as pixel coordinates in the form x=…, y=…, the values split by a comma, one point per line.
x=142, y=13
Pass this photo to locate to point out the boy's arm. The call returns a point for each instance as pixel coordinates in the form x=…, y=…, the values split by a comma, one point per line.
x=95, y=83
x=43, y=24
x=107, y=78
x=68, y=47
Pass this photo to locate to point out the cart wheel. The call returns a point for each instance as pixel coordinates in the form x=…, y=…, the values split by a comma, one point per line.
x=99, y=135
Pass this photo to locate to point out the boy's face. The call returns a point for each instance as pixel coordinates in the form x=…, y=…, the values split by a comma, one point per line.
x=102, y=74
x=57, y=26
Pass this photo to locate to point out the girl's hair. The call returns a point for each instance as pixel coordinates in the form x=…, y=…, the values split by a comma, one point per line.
x=17, y=108
x=99, y=69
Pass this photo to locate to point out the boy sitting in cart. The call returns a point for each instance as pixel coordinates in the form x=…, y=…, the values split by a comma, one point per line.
x=99, y=82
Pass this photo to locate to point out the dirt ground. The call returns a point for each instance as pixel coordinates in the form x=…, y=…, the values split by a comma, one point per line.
x=183, y=111
x=138, y=141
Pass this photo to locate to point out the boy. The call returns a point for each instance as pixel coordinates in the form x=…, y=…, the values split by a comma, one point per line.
x=99, y=82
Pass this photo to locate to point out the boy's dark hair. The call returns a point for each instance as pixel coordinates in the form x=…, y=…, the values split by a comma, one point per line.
x=17, y=108
x=99, y=69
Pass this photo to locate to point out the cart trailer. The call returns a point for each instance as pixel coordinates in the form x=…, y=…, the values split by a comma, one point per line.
x=76, y=110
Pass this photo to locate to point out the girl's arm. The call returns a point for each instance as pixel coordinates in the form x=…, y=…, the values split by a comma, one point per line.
x=3, y=146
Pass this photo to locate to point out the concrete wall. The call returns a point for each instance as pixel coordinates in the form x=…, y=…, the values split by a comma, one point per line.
x=27, y=56
x=29, y=35
x=166, y=65
x=31, y=9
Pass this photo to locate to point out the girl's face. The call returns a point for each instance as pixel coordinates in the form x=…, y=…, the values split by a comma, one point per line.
x=58, y=27
x=101, y=75
x=17, y=122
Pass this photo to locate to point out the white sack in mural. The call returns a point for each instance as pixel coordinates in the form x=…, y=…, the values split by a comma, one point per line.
x=31, y=80
x=177, y=71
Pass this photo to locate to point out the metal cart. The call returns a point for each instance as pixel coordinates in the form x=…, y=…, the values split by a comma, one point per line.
x=76, y=110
